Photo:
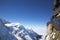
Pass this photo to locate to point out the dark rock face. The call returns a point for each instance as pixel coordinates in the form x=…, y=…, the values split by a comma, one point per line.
x=55, y=19
x=57, y=3
x=53, y=27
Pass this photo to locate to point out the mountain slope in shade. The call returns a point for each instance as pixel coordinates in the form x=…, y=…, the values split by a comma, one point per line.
x=4, y=33
x=12, y=31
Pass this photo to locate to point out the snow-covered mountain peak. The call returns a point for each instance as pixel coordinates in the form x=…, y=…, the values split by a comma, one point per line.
x=16, y=31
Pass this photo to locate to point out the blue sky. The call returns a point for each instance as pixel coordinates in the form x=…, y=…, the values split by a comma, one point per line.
x=27, y=12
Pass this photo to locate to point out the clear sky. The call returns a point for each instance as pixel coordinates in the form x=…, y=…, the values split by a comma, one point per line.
x=27, y=12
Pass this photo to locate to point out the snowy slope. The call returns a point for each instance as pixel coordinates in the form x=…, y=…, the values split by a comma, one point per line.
x=4, y=33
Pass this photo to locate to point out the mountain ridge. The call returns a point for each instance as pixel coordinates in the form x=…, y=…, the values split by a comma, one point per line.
x=16, y=33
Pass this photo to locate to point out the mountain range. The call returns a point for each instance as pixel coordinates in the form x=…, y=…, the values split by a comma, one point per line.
x=13, y=31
